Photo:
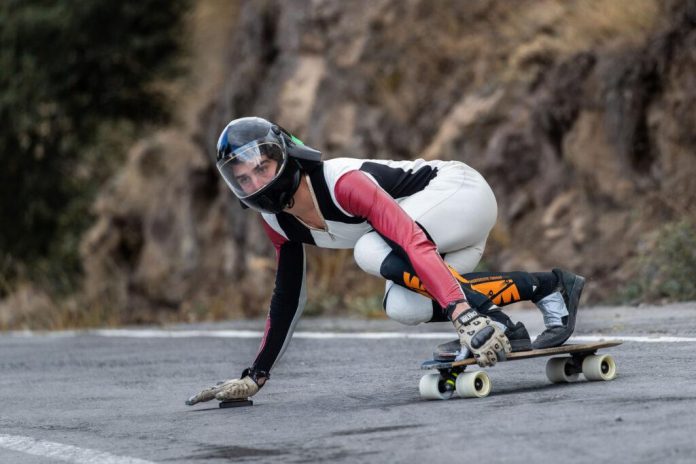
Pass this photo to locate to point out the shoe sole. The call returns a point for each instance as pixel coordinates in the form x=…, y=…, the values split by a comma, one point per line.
x=521, y=345
x=573, y=300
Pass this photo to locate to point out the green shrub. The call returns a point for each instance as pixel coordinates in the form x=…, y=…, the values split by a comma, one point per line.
x=667, y=270
x=70, y=73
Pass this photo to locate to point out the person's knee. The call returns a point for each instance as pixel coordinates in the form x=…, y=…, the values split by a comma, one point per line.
x=369, y=252
x=466, y=259
x=406, y=317
x=407, y=307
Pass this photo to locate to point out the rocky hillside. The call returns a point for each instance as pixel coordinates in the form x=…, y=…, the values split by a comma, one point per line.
x=580, y=114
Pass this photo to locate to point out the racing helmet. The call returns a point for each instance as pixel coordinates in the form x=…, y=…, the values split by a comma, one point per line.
x=261, y=163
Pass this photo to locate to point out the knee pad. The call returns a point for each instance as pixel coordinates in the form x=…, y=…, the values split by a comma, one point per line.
x=405, y=306
x=369, y=252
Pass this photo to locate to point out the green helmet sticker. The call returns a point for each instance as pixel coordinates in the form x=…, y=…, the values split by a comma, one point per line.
x=296, y=140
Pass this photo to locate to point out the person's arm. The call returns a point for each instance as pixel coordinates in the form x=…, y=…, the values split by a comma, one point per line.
x=360, y=196
x=287, y=303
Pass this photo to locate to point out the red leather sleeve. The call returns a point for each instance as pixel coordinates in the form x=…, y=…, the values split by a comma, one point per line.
x=359, y=196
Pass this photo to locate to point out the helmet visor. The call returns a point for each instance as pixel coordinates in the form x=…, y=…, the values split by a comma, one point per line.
x=252, y=167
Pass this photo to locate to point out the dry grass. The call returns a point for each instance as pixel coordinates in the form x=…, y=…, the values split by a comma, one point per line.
x=666, y=265
x=337, y=286
x=30, y=308
x=542, y=32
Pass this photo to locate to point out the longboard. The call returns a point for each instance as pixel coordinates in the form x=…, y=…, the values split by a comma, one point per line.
x=581, y=360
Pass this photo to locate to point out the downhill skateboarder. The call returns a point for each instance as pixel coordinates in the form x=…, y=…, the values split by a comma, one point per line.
x=421, y=225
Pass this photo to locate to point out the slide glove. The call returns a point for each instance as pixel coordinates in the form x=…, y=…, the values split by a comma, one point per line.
x=249, y=384
x=484, y=339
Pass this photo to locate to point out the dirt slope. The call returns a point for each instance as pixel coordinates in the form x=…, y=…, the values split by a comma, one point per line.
x=580, y=114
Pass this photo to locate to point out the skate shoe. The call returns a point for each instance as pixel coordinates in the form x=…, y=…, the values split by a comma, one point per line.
x=570, y=286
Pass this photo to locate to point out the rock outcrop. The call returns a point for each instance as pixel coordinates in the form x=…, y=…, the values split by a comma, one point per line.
x=580, y=114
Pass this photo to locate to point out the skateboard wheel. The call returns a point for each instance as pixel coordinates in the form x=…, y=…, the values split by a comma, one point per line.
x=561, y=370
x=473, y=384
x=432, y=387
x=599, y=367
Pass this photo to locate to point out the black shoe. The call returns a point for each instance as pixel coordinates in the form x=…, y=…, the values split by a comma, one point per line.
x=516, y=333
x=570, y=286
x=447, y=351
x=519, y=337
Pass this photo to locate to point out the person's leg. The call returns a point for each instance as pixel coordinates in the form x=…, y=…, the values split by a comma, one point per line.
x=407, y=301
x=504, y=288
x=402, y=303
x=405, y=306
x=456, y=211
x=555, y=293
x=482, y=289
x=561, y=304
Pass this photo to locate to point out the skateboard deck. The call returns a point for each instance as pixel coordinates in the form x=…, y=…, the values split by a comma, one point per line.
x=236, y=403
x=580, y=359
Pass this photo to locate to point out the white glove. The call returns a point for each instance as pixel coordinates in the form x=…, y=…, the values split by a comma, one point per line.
x=248, y=385
x=481, y=337
x=237, y=389
x=209, y=393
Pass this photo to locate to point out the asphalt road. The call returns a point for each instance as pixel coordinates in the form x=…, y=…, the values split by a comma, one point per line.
x=105, y=397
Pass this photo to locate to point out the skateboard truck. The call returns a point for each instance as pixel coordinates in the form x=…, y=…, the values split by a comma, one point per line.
x=236, y=403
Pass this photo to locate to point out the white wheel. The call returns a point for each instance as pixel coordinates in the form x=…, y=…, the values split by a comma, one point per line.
x=599, y=367
x=432, y=387
x=560, y=370
x=473, y=384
